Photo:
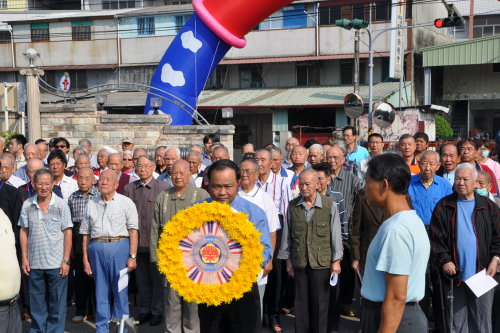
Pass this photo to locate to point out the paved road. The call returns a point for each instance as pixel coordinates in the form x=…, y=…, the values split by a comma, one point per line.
x=347, y=325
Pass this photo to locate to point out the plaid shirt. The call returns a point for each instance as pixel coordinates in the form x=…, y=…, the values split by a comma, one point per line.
x=77, y=203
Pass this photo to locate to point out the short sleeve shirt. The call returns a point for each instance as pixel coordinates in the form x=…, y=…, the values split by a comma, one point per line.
x=401, y=247
x=46, y=232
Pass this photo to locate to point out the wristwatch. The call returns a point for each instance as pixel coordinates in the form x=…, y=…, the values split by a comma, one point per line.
x=132, y=256
x=67, y=262
x=497, y=258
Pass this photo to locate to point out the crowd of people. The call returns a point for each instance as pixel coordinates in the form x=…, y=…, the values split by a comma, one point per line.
x=410, y=228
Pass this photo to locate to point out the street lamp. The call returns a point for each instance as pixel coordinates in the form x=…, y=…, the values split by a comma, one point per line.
x=156, y=103
x=31, y=55
x=100, y=99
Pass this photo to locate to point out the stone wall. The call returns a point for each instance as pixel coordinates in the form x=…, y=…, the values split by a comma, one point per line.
x=77, y=121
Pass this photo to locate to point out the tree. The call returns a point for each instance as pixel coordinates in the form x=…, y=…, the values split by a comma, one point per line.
x=443, y=128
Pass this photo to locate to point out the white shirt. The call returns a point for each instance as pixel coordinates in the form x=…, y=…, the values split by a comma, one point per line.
x=15, y=181
x=10, y=274
x=272, y=186
x=68, y=186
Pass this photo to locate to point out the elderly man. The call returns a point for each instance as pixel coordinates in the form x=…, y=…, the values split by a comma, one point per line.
x=465, y=236
x=77, y=202
x=102, y=161
x=30, y=151
x=17, y=142
x=180, y=316
x=81, y=161
x=484, y=185
x=160, y=159
x=143, y=193
x=57, y=163
x=248, y=190
x=241, y=315
x=43, y=146
x=7, y=168
x=219, y=153
x=109, y=230
x=290, y=143
x=312, y=248
x=195, y=167
x=28, y=190
x=449, y=161
x=128, y=144
x=93, y=158
x=348, y=185
x=355, y=152
x=469, y=151
x=248, y=148
x=10, y=279
x=115, y=163
x=421, y=143
x=45, y=238
x=394, y=280
x=172, y=154
x=376, y=146
x=298, y=156
x=315, y=154
x=407, y=147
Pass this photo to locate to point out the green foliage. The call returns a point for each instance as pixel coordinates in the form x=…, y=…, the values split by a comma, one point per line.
x=443, y=128
x=7, y=135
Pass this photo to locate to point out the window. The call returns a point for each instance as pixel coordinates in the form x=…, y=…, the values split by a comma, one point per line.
x=119, y=4
x=307, y=75
x=145, y=26
x=251, y=76
x=40, y=32
x=78, y=78
x=347, y=72
x=180, y=20
x=5, y=37
x=3, y=4
x=382, y=11
x=217, y=78
x=328, y=15
x=294, y=17
x=81, y=30
x=137, y=74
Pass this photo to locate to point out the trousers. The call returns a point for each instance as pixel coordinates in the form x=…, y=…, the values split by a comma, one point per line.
x=180, y=316
x=149, y=285
x=413, y=320
x=106, y=261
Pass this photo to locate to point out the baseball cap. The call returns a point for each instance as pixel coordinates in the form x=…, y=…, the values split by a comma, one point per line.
x=128, y=140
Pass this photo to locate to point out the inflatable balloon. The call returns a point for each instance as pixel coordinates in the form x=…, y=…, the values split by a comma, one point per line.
x=215, y=27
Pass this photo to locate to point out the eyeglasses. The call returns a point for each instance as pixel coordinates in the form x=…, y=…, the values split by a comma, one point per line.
x=127, y=159
x=63, y=146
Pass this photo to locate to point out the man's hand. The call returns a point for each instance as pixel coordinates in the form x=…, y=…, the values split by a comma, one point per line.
x=335, y=267
x=64, y=269
x=355, y=265
x=131, y=264
x=25, y=266
x=86, y=267
x=268, y=268
x=449, y=269
x=492, y=267
x=289, y=268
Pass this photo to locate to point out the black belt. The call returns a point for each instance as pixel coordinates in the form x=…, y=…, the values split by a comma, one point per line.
x=9, y=302
x=367, y=304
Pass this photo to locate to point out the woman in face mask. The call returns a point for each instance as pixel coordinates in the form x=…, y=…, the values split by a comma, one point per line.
x=483, y=186
x=485, y=151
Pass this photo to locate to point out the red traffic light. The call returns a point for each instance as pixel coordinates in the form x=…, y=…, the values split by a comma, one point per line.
x=438, y=23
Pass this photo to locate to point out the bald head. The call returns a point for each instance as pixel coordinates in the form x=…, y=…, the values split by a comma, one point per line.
x=298, y=155
x=181, y=175
x=31, y=150
x=115, y=162
x=32, y=166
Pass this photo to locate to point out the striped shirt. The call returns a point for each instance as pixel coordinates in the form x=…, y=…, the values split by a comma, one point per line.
x=347, y=184
x=109, y=219
x=77, y=203
x=46, y=232
x=338, y=198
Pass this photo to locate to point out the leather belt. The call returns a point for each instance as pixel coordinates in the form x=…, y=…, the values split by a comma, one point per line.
x=9, y=302
x=109, y=239
x=367, y=304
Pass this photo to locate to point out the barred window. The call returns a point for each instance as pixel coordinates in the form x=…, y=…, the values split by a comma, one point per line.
x=3, y=4
x=145, y=26
x=5, y=36
x=119, y=4
x=40, y=32
x=81, y=30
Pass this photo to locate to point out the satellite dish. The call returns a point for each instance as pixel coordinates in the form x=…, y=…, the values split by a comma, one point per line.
x=384, y=114
x=353, y=105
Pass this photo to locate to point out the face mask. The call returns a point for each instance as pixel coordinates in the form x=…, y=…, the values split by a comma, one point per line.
x=481, y=191
x=486, y=153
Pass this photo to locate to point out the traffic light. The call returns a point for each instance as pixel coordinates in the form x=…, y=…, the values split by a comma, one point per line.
x=348, y=24
x=450, y=21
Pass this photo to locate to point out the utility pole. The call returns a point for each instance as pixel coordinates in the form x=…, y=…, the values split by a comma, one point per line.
x=33, y=95
x=356, y=62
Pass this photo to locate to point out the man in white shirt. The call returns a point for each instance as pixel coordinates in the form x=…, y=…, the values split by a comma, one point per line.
x=7, y=169
x=249, y=173
x=57, y=163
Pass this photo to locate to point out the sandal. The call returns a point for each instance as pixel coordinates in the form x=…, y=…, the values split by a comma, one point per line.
x=277, y=328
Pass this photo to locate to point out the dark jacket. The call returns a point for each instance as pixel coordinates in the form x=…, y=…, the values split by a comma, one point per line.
x=486, y=220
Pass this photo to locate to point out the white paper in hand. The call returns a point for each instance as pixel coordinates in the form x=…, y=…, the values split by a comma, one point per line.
x=481, y=283
x=123, y=281
x=333, y=279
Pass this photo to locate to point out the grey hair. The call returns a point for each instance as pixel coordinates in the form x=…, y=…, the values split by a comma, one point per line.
x=340, y=145
x=220, y=147
x=266, y=150
x=139, y=149
x=80, y=147
x=275, y=149
x=469, y=166
x=43, y=171
x=253, y=161
x=485, y=174
x=194, y=153
x=10, y=159
x=292, y=138
x=80, y=156
x=317, y=146
x=126, y=152
x=196, y=145
x=431, y=152
x=87, y=141
x=176, y=149
x=29, y=145
x=147, y=157
x=308, y=170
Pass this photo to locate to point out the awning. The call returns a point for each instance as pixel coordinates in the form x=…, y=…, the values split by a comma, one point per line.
x=62, y=68
x=303, y=58
x=476, y=51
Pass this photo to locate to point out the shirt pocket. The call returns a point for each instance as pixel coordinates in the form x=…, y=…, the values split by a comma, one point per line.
x=118, y=221
x=322, y=229
x=53, y=227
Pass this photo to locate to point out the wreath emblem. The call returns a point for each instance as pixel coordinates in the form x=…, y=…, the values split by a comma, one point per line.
x=210, y=253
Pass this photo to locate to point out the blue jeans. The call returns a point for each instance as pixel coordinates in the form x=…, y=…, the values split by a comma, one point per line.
x=48, y=292
x=106, y=261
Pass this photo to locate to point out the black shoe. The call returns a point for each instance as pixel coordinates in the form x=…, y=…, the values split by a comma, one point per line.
x=143, y=318
x=155, y=320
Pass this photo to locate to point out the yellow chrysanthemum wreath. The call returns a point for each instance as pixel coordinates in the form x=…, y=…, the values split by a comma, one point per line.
x=237, y=227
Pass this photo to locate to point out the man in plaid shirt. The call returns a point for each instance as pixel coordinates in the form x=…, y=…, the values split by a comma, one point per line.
x=84, y=284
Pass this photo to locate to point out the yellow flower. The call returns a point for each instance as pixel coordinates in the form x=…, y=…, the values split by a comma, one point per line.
x=237, y=227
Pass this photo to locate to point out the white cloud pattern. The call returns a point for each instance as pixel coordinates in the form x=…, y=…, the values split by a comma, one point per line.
x=190, y=42
x=172, y=77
